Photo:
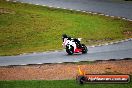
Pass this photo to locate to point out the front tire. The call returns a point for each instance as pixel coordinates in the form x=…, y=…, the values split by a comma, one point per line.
x=84, y=49
x=70, y=50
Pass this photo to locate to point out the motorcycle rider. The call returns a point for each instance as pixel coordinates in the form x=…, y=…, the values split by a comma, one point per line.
x=77, y=42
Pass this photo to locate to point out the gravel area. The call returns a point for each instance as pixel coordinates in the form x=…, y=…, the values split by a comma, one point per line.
x=64, y=71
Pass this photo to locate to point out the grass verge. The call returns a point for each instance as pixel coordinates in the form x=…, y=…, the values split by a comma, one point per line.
x=27, y=28
x=58, y=84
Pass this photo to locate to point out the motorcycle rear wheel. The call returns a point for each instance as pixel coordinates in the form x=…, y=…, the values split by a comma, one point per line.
x=84, y=49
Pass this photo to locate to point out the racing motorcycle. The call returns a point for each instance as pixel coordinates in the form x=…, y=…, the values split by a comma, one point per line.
x=72, y=46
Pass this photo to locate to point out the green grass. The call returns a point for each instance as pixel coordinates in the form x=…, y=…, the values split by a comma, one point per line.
x=28, y=28
x=58, y=84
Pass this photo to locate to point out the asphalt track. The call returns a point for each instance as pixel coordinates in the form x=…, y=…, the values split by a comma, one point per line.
x=111, y=7
x=114, y=51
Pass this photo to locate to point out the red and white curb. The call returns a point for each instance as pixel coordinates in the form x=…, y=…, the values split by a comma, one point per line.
x=110, y=43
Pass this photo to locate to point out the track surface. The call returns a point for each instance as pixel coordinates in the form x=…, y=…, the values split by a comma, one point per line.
x=111, y=7
x=114, y=51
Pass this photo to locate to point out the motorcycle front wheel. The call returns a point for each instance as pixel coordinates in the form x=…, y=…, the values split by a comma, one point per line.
x=70, y=50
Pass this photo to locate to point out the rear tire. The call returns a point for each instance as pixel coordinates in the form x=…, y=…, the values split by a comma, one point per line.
x=70, y=50
x=84, y=49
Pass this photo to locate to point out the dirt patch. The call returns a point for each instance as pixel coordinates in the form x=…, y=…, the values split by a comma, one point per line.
x=128, y=33
x=6, y=11
x=64, y=71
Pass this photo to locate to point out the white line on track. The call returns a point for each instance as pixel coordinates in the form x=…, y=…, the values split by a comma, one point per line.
x=78, y=10
x=121, y=41
x=130, y=20
x=43, y=5
x=39, y=63
x=124, y=18
x=50, y=6
x=111, y=16
x=60, y=62
x=14, y=1
x=118, y=17
x=89, y=12
x=95, y=13
x=57, y=7
x=36, y=4
x=111, y=43
x=106, y=15
x=92, y=46
x=101, y=14
x=106, y=44
x=70, y=9
x=84, y=11
x=23, y=64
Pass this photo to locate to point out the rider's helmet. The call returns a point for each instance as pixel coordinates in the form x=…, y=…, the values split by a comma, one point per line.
x=64, y=36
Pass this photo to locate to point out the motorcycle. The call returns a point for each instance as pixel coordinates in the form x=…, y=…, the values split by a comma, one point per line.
x=72, y=46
